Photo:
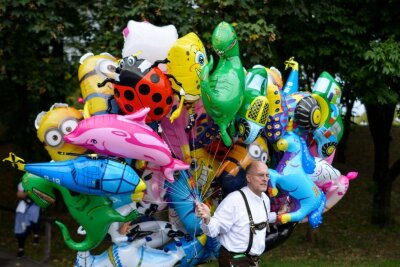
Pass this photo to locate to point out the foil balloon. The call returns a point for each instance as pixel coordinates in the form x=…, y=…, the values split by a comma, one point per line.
x=187, y=57
x=277, y=119
x=156, y=192
x=176, y=136
x=51, y=127
x=274, y=77
x=126, y=137
x=331, y=181
x=94, y=69
x=231, y=173
x=253, y=113
x=204, y=168
x=327, y=93
x=131, y=254
x=222, y=90
x=182, y=195
x=291, y=177
x=304, y=111
x=205, y=131
x=292, y=82
x=278, y=234
x=149, y=41
x=94, y=213
x=139, y=84
x=197, y=250
x=160, y=232
x=86, y=174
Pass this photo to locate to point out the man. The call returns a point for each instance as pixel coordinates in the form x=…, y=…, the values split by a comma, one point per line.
x=242, y=233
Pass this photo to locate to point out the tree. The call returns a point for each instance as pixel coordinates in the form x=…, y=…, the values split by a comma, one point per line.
x=34, y=69
x=383, y=61
x=355, y=41
x=48, y=37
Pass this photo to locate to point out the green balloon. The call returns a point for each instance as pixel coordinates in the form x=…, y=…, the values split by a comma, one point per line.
x=253, y=114
x=222, y=90
x=256, y=85
x=94, y=213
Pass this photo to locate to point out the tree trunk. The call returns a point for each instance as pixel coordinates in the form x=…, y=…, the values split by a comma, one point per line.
x=380, y=118
x=348, y=100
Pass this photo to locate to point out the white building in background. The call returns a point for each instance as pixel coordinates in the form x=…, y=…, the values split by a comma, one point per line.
x=359, y=114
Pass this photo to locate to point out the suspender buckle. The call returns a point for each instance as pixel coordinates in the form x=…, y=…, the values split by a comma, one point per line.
x=253, y=229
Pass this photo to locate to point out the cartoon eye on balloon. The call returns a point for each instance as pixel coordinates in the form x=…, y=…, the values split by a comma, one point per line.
x=94, y=69
x=258, y=150
x=131, y=61
x=53, y=138
x=121, y=64
x=68, y=125
x=200, y=58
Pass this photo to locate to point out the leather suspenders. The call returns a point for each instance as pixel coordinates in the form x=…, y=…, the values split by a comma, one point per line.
x=252, y=225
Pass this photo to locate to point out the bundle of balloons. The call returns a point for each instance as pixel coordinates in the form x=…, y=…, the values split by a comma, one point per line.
x=163, y=128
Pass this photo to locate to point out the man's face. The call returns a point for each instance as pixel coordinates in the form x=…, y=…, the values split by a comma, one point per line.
x=257, y=178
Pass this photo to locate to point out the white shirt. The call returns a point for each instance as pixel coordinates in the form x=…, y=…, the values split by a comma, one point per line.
x=231, y=221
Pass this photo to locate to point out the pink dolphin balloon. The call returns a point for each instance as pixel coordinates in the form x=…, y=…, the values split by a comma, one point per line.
x=126, y=137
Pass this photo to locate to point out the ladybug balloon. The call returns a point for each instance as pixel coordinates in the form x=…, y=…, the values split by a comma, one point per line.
x=141, y=84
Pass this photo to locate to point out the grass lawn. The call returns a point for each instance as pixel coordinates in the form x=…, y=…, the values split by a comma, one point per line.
x=346, y=238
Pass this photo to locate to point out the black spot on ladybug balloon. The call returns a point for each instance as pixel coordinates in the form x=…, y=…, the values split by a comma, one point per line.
x=140, y=84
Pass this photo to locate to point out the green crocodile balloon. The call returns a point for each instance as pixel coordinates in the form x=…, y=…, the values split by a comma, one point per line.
x=222, y=90
x=94, y=213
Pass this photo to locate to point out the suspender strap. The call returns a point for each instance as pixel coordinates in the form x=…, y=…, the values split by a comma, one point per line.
x=266, y=211
x=252, y=229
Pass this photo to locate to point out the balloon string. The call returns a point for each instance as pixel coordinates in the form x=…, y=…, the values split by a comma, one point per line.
x=219, y=166
x=169, y=143
x=182, y=189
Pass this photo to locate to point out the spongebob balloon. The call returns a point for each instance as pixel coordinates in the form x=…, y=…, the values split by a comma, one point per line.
x=51, y=127
x=204, y=169
x=187, y=57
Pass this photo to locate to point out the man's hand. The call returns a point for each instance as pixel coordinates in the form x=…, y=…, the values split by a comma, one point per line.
x=203, y=211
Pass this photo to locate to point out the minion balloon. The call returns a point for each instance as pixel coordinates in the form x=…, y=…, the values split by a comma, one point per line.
x=93, y=70
x=51, y=127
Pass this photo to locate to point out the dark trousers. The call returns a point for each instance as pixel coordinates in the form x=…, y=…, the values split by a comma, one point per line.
x=230, y=259
x=34, y=227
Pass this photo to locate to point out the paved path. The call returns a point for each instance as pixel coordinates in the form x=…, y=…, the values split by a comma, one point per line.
x=7, y=259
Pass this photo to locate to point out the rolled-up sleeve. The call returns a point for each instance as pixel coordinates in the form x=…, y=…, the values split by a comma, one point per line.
x=223, y=218
x=271, y=215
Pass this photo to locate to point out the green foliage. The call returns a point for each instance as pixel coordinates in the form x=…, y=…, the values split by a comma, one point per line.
x=33, y=63
x=383, y=64
x=42, y=41
x=353, y=40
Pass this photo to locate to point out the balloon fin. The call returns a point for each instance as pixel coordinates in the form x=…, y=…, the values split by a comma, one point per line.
x=139, y=116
